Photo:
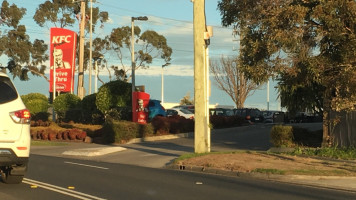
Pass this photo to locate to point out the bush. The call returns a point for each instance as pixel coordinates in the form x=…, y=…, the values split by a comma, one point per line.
x=32, y=96
x=112, y=95
x=91, y=114
x=218, y=121
x=282, y=136
x=65, y=102
x=37, y=104
x=172, y=124
x=123, y=131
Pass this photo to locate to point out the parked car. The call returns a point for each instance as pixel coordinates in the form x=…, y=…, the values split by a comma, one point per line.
x=250, y=114
x=181, y=112
x=221, y=112
x=155, y=109
x=273, y=116
x=15, y=137
x=187, y=107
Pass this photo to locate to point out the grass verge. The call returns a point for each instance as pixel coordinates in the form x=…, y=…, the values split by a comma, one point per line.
x=344, y=153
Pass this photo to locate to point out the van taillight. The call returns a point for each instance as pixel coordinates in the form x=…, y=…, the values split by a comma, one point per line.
x=21, y=116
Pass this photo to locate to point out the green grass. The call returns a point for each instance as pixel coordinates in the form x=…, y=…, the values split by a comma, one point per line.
x=315, y=172
x=269, y=171
x=345, y=153
x=47, y=143
x=193, y=155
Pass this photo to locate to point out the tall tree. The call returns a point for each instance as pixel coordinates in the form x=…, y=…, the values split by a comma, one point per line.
x=150, y=45
x=24, y=55
x=231, y=79
x=310, y=44
x=64, y=13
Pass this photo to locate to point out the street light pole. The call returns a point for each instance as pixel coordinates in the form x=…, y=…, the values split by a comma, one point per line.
x=133, y=63
x=162, y=86
x=96, y=72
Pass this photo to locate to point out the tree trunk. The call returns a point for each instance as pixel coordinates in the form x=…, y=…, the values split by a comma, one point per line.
x=327, y=142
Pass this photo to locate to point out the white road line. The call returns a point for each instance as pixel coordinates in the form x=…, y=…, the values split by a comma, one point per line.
x=61, y=190
x=93, y=166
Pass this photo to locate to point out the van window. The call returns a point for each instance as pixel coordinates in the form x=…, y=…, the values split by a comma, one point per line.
x=7, y=90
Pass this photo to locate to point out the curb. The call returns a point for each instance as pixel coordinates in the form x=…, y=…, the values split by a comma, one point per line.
x=341, y=183
x=89, y=152
x=161, y=137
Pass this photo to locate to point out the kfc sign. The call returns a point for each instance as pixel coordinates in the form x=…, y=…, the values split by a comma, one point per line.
x=62, y=59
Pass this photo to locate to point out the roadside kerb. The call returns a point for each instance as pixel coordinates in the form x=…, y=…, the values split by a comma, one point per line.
x=160, y=137
x=330, y=182
x=99, y=151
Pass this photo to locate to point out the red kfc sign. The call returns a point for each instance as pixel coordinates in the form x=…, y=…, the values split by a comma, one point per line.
x=62, y=59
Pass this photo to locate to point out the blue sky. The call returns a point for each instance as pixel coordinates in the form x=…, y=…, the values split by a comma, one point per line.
x=171, y=18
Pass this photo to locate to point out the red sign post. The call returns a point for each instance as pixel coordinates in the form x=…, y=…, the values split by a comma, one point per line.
x=62, y=60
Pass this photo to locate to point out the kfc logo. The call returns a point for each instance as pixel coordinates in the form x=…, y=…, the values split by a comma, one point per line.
x=61, y=39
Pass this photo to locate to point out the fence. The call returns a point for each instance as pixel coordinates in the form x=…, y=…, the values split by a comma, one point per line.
x=344, y=131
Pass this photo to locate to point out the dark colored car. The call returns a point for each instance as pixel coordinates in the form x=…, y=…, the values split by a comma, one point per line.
x=187, y=107
x=155, y=109
x=251, y=114
x=273, y=116
x=221, y=111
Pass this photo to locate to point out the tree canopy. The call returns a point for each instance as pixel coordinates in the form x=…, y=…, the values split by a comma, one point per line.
x=310, y=45
x=23, y=54
x=150, y=45
x=232, y=80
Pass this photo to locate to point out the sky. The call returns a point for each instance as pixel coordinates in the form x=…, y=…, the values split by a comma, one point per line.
x=170, y=18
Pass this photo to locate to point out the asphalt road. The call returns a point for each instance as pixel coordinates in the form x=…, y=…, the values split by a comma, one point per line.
x=138, y=173
x=101, y=180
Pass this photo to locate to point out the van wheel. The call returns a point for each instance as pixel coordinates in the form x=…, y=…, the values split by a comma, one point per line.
x=11, y=179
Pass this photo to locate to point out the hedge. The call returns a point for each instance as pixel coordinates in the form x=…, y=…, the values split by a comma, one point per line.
x=123, y=131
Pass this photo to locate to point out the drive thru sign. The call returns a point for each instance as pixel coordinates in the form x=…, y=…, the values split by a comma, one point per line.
x=62, y=59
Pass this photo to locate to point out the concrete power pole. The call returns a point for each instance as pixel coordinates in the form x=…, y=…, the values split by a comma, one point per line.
x=201, y=128
x=80, y=88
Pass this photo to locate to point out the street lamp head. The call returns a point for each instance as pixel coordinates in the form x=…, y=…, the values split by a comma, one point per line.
x=141, y=18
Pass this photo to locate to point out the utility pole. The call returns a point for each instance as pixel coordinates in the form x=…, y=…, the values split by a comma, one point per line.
x=201, y=116
x=91, y=45
x=80, y=88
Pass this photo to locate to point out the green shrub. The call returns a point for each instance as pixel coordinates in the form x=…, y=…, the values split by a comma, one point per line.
x=64, y=103
x=91, y=114
x=112, y=95
x=282, y=136
x=37, y=104
x=123, y=131
x=32, y=96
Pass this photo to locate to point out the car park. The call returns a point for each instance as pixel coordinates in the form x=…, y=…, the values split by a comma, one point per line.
x=250, y=114
x=155, y=109
x=180, y=112
x=15, y=137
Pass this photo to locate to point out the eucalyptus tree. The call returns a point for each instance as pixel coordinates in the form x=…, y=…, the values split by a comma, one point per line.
x=23, y=54
x=311, y=45
x=150, y=45
x=66, y=14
